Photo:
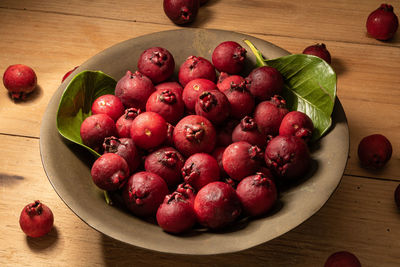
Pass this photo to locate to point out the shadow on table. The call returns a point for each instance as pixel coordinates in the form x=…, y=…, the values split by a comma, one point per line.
x=38, y=244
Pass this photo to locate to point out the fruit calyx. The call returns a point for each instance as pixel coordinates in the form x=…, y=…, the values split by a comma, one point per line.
x=255, y=153
x=136, y=196
x=132, y=113
x=194, y=61
x=302, y=133
x=248, y=124
x=185, y=13
x=189, y=173
x=167, y=97
x=278, y=101
x=280, y=164
x=207, y=101
x=34, y=208
x=186, y=190
x=241, y=87
x=260, y=180
x=386, y=7
x=169, y=158
x=158, y=58
x=175, y=197
x=239, y=53
x=111, y=144
x=194, y=133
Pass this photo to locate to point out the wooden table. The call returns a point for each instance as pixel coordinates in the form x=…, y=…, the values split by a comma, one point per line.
x=54, y=36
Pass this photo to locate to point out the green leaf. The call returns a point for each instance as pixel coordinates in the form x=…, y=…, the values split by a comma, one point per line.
x=76, y=102
x=310, y=87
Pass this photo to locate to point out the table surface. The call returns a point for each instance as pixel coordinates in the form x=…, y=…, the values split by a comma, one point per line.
x=54, y=36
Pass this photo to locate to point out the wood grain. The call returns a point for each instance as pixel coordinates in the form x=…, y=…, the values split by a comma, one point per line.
x=360, y=213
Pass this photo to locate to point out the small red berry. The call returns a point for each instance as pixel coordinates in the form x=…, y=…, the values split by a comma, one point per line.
x=19, y=80
x=342, y=259
x=68, y=73
x=320, y=51
x=382, y=23
x=374, y=151
x=36, y=219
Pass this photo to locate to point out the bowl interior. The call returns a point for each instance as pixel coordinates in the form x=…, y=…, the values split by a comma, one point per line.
x=68, y=166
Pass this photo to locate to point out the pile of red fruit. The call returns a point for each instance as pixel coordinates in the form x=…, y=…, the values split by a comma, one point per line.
x=208, y=149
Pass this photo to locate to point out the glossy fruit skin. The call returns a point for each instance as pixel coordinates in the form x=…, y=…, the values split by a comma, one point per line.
x=342, y=259
x=217, y=154
x=287, y=157
x=149, y=130
x=265, y=82
x=241, y=101
x=297, y=123
x=225, y=81
x=247, y=130
x=193, y=90
x=166, y=162
x=241, y=159
x=173, y=86
x=124, y=147
x=269, y=115
x=167, y=103
x=187, y=191
x=124, y=123
x=194, y=134
x=257, y=193
x=110, y=105
x=217, y=205
x=157, y=63
x=214, y=106
x=143, y=193
x=200, y=169
x=68, y=73
x=176, y=214
x=134, y=89
x=195, y=68
x=181, y=11
x=110, y=172
x=374, y=151
x=318, y=50
x=95, y=128
x=36, y=219
x=229, y=57
x=382, y=23
x=19, y=80
x=397, y=196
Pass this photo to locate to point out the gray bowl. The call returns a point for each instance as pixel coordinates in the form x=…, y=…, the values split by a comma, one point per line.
x=68, y=166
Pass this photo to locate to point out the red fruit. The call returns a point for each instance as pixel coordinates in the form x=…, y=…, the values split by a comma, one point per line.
x=173, y=86
x=157, y=63
x=217, y=154
x=196, y=68
x=19, y=80
x=194, y=134
x=241, y=101
x=342, y=259
x=181, y=11
x=269, y=114
x=257, y=193
x=374, y=151
x=200, y=169
x=265, y=82
x=298, y=124
x=166, y=162
x=36, y=219
x=193, y=90
x=213, y=105
x=124, y=147
x=167, y=103
x=148, y=130
x=382, y=23
x=110, y=172
x=95, y=128
x=397, y=196
x=217, y=205
x=109, y=105
x=225, y=81
x=229, y=57
x=224, y=133
x=68, y=73
x=169, y=141
x=287, y=157
x=247, y=130
x=176, y=214
x=143, y=193
x=241, y=159
x=187, y=191
x=124, y=122
x=134, y=89
x=318, y=50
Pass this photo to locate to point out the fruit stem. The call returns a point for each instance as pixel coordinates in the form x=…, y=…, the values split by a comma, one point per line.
x=107, y=198
x=260, y=60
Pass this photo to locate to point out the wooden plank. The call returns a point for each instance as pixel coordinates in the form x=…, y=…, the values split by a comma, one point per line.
x=360, y=217
x=335, y=20
x=367, y=74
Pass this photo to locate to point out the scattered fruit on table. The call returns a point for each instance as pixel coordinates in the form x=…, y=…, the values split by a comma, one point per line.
x=382, y=23
x=36, y=219
x=19, y=80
